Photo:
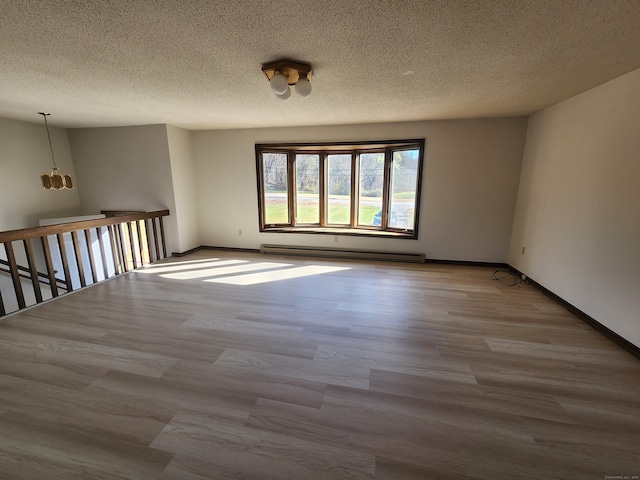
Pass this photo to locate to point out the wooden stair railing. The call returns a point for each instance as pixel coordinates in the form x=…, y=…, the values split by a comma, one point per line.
x=26, y=274
x=135, y=239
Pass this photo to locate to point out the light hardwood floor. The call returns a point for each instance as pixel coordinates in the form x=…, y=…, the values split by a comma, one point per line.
x=225, y=365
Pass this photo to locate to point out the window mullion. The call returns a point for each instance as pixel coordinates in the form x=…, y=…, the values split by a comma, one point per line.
x=291, y=179
x=355, y=187
x=386, y=189
x=323, y=188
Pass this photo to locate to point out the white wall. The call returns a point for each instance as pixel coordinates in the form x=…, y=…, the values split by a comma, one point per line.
x=471, y=174
x=184, y=187
x=24, y=156
x=125, y=168
x=578, y=209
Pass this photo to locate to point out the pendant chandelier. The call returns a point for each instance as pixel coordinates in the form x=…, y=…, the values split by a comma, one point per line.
x=54, y=179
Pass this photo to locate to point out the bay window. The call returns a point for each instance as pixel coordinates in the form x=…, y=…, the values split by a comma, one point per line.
x=370, y=188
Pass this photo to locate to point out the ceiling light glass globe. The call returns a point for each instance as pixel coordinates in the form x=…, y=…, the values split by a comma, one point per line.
x=279, y=83
x=285, y=96
x=303, y=87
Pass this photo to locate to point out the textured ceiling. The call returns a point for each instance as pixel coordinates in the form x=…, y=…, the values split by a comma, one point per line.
x=197, y=63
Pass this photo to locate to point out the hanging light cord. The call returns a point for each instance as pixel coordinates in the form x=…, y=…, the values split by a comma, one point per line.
x=49, y=137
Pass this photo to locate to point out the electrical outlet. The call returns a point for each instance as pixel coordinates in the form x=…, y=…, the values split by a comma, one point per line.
x=239, y=231
x=522, y=251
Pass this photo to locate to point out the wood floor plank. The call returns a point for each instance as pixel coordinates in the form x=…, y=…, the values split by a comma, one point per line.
x=557, y=383
x=612, y=357
x=344, y=337
x=359, y=429
x=54, y=327
x=239, y=325
x=256, y=451
x=387, y=469
x=71, y=449
x=24, y=362
x=286, y=343
x=178, y=395
x=179, y=345
x=377, y=359
x=428, y=367
x=29, y=464
x=122, y=417
x=182, y=467
x=251, y=383
x=280, y=365
x=596, y=441
x=542, y=461
x=480, y=405
x=605, y=414
x=51, y=349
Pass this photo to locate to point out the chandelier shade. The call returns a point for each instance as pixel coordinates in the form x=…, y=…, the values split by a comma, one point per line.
x=279, y=83
x=303, y=87
x=54, y=179
x=286, y=95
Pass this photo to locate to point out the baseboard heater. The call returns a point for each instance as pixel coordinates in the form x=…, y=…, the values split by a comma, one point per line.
x=329, y=252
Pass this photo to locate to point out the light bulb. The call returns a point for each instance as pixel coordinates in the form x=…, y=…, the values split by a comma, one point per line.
x=303, y=87
x=279, y=83
x=285, y=96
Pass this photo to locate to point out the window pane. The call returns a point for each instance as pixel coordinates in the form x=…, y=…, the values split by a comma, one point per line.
x=307, y=188
x=404, y=181
x=276, y=207
x=371, y=184
x=339, y=179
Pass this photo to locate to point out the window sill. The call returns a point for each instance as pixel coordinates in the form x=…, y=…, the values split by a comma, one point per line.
x=360, y=232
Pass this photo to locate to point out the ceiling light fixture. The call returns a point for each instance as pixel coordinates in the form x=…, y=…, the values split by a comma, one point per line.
x=282, y=74
x=54, y=179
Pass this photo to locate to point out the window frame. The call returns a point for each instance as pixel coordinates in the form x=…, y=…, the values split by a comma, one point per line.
x=323, y=150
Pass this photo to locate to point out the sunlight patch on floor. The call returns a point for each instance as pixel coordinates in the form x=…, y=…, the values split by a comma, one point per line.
x=180, y=262
x=182, y=266
x=276, y=275
x=233, y=271
x=224, y=270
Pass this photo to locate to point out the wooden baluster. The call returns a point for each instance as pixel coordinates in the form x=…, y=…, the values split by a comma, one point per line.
x=113, y=237
x=78, y=254
x=103, y=252
x=155, y=238
x=123, y=248
x=132, y=244
x=65, y=262
x=92, y=260
x=164, y=244
x=51, y=274
x=148, y=235
x=140, y=244
x=15, y=274
x=114, y=254
x=33, y=269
